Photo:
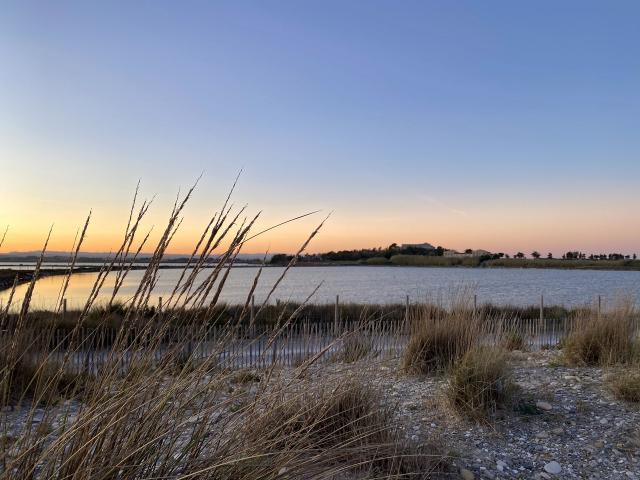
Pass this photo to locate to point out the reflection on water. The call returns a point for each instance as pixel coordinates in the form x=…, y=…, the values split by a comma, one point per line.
x=371, y=285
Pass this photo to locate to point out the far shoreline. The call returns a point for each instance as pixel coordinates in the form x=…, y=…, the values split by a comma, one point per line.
x=8, y=275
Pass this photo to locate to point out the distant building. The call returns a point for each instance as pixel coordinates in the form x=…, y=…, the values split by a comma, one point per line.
x=420, y=246
x=474, y=253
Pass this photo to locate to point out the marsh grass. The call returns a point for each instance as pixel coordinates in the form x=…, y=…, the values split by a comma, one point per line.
x=480, y=383
x=439, y=338
x=626, y=385
x=356, y=346
x=153, y=409
x=348, y=420
x=513, y=340
x=604, y=339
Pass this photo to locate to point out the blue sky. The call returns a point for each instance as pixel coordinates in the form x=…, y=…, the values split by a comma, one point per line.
x=498, y=125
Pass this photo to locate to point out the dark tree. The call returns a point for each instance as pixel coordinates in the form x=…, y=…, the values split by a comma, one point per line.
x=535, y=255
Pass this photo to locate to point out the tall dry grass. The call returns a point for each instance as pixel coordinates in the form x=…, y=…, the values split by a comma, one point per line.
x=604, y=339
x=625, y=385
x=480, y=383
x=441, y=336
x=154, y=409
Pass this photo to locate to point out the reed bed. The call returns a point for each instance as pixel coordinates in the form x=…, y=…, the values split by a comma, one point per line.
x=348, y=313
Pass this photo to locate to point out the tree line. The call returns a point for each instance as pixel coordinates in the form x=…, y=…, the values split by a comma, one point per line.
x=361, y=254
x=395, y=249
x=577, y=255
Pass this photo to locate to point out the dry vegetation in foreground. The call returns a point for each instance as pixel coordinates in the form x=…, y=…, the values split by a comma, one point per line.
x=154, y=410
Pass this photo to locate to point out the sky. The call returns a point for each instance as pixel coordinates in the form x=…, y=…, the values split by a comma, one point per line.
x=508, y=126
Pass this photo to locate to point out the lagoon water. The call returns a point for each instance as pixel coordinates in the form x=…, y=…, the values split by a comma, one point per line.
x=373, y=284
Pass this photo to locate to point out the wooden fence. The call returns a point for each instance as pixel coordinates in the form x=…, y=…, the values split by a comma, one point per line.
x=259, y=347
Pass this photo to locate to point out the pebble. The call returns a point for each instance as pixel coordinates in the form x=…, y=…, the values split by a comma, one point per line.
x=466, y=474
x=553, y=468
x=546, y=406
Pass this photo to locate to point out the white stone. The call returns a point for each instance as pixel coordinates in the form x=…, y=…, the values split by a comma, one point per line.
x=466, y=474
x=553, y=467
x=543, y=405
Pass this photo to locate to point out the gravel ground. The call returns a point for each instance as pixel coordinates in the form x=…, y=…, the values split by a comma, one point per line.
x=577, y=430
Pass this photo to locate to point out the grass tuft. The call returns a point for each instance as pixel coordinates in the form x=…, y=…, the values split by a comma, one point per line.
x=626, y=386
x=438, y=341
x=480, y=383
x=355, y=346
x=347, y=425
x=244, y=377
x=513, y=340
x=603, y=340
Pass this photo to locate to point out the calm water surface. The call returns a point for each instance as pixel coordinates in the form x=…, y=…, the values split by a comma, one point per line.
x=374, y=285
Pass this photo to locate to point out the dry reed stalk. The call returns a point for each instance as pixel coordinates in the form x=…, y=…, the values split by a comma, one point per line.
x=4, y=235
x=72, y=263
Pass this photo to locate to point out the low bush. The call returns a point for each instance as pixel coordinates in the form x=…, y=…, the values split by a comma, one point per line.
x=602, y=340
x=480, y=383
x=345, y=425
x=626, y=386
x=438, y=341
x=44, y=382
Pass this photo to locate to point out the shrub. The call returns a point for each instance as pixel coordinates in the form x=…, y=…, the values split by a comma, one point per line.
x=602, y=339
x=437, y=342
x=480, y=383
x=345, y=425
x=43, y=382
x=626, y=386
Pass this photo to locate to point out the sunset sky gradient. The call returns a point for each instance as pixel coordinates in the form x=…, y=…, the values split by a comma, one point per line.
x=498, y=125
